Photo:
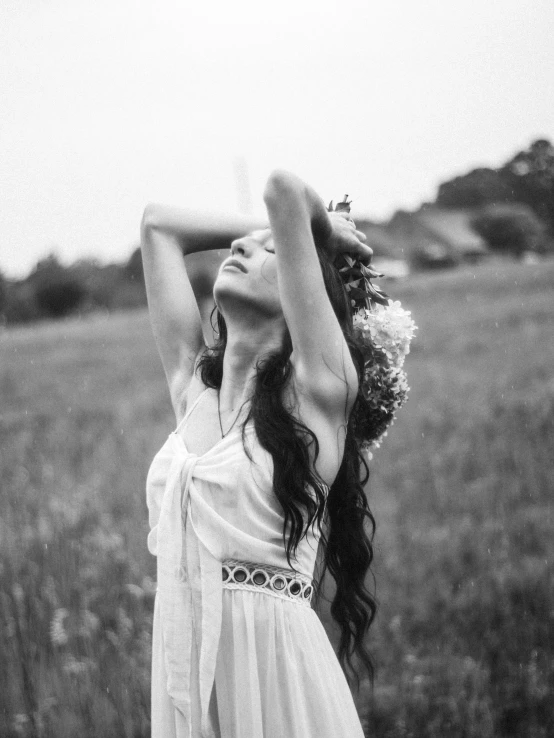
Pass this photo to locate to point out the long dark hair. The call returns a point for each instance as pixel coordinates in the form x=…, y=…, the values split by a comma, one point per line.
x=347, y=545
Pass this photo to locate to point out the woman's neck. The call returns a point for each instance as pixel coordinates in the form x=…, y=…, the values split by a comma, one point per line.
x=245, y=346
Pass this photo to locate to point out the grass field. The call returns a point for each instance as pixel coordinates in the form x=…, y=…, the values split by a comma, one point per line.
x=462, y=490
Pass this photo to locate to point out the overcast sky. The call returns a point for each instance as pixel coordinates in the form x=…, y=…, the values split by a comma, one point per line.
x=106, y=105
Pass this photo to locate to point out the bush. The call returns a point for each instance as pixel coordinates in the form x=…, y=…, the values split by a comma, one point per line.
x=513, y=229
x=60, y=297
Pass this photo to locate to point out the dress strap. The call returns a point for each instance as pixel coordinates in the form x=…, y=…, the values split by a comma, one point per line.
x=189, y=410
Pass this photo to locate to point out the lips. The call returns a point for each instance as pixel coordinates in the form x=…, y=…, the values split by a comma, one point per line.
x=235, y=263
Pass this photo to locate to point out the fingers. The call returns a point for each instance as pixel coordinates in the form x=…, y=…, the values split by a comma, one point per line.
x=360, y=235
x=343, y=215
x=352, y=239
x=348, y=220
x=366, y=254
x=361, y=250
x=365, y=251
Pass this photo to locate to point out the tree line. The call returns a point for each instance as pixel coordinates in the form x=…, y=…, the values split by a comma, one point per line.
x=513, y=211
x=52, y=290
x=514, y=204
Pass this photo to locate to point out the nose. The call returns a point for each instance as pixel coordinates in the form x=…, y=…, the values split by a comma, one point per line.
x=240, y=246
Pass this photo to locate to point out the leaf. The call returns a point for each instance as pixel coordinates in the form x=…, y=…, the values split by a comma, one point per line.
x=349, y=260
x=357, y=293
x=380, y=299
x=355, y=275
x=370, y=272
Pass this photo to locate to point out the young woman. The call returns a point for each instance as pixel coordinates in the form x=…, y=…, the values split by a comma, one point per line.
x=262, y=466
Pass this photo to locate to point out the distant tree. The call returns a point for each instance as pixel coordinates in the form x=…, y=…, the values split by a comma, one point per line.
x=60, y=297
x=475, y=189
x=530, y=174
x=53, y=288
x=21, y=306
x=513, y=228
x=47, y=267
x=527, y=178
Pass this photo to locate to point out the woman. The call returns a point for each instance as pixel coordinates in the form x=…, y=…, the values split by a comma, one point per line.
x=262, y=466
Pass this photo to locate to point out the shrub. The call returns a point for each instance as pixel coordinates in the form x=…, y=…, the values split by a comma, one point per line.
x=60, y=297
x=513, y=229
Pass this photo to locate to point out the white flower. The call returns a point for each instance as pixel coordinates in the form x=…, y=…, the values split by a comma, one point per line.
x=58, y=634
x=390, y=328
x=76, y=667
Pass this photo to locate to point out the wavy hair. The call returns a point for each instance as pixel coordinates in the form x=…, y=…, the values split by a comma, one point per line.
x=342, y=514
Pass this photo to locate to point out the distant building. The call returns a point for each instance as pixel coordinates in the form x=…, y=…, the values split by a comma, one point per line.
x=435, y=236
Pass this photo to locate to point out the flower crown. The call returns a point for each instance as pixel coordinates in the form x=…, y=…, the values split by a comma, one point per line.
x=383, y=330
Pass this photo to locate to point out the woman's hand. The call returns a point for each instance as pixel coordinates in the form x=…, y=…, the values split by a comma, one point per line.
x=345, y=239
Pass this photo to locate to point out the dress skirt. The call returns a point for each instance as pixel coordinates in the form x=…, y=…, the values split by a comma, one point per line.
x=277, y=676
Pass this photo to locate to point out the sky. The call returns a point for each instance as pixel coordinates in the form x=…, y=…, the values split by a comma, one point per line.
x=107, y=105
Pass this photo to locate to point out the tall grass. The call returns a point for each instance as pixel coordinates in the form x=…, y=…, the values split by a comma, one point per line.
x=461, y=489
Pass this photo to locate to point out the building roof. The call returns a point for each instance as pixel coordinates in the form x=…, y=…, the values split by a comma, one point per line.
x=453, y=227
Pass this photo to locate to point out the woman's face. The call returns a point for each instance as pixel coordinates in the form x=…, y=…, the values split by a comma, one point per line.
x=249, y=274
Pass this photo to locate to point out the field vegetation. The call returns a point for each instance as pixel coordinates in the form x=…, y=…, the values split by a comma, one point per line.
x=462, y=490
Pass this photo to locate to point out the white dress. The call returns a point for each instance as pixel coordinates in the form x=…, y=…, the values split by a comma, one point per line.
x=234, y=662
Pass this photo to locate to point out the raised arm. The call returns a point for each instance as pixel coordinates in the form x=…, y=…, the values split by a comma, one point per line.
x=173, y=308
x=323, y=367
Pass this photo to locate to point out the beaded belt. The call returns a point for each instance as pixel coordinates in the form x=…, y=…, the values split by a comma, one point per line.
x=273, y=580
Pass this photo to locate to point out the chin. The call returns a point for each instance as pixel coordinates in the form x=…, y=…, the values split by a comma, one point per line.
x=228, y=296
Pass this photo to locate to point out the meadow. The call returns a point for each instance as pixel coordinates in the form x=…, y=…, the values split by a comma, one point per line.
x=461, y=488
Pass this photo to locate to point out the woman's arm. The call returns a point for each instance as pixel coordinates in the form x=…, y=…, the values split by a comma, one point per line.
x=173, y=308
x=321, y=359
